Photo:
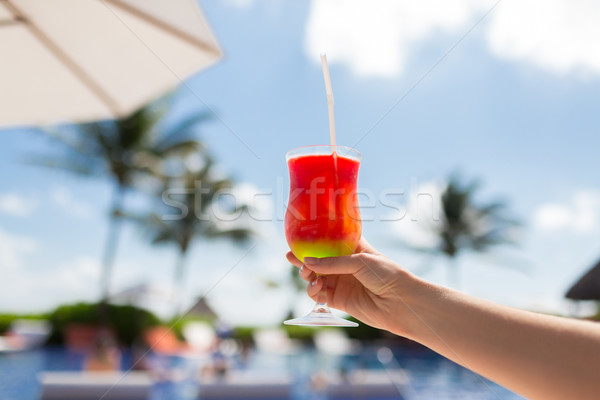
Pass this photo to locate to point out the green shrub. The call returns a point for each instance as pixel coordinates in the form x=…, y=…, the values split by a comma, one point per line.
x=128, y=322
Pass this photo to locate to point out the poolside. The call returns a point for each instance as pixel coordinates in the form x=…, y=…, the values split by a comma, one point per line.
x=430, y=376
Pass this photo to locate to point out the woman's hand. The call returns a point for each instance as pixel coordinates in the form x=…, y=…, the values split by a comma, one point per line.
x=366, y=285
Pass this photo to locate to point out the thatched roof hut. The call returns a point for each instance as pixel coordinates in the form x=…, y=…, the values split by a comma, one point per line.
x=587, y=287
x=203, y=310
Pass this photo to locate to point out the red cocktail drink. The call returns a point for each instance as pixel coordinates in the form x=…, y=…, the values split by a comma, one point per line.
x=322, y=218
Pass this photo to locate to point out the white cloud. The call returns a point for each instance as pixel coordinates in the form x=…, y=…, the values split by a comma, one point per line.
x=580, y=215
x=558, y=35
x=552, y=216
x=27, y=286
x=587, y=206
x=41, y=288
x=12, y=249
x=64, y=199
x=17, y=205
x=79, y=277
x=259, y=213
x=259, y=202
x=376, y=38
x=418, y=220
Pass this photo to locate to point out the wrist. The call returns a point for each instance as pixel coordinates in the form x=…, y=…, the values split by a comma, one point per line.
x=417, y=300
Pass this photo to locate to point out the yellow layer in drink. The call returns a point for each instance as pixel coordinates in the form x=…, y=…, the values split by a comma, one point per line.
x=322, y=248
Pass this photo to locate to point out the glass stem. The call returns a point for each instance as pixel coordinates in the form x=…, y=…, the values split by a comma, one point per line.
x=321, y=306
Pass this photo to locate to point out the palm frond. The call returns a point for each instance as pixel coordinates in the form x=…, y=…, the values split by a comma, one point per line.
x=140, y=128
x=237, y=235
x=183, y=147
x=79, y=167
x=67, y=142
x=468, y=225
x=184, y=129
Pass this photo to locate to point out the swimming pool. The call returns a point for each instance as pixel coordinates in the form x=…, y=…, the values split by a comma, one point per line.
x=431, y=376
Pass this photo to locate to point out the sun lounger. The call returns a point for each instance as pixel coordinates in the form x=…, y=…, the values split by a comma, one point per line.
x=367, y=384
x=247, y=385
x=95, y=385
x=23, y=335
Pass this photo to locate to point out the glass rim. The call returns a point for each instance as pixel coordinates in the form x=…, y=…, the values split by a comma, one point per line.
x=326, y=149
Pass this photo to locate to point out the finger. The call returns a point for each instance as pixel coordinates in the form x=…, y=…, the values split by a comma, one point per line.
x=306, y=274
x=314, y=286
x=352, y=264
x=293, y=259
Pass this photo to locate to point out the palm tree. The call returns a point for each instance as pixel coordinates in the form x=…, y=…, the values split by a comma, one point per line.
x=195, y=192
x=466, y=225
x=123, y=151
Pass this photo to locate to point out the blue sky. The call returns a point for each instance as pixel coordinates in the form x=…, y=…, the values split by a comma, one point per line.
x=514, y=104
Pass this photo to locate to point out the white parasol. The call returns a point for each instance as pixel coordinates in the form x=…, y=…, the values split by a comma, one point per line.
x=83, y=60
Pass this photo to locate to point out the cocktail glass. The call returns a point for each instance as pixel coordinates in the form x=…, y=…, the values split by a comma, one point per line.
x=322, y=217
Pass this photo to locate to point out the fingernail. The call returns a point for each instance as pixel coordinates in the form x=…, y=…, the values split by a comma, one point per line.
x=312, y=260
x=301, y=269
x=313, y=283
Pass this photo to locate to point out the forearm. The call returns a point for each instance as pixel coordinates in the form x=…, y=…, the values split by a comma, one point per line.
x=538, y=356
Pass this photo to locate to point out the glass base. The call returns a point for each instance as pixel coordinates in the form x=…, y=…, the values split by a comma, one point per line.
x=321, y=316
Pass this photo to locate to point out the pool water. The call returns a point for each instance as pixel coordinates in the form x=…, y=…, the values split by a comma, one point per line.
x=431, y=376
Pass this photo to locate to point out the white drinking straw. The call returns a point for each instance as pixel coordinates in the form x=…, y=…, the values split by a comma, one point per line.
x=329, y=100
